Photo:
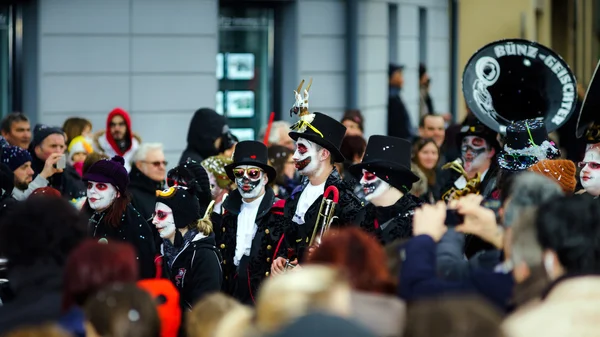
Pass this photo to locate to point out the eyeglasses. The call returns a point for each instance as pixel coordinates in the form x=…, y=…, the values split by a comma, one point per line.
x=156, y=163
x=161, y=215
x=252, y=173
x=523, y=160
x=591, y=164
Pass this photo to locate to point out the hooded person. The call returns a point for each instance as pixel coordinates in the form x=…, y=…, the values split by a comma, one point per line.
x=190, y=258
x=118, y=139
x=387, y=179
x=208, y=136
x=112, y=215
x=252, y=227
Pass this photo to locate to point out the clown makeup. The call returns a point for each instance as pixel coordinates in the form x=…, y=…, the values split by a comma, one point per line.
x=307, y=157
x=101, y=195
x=250, y=181
x=474, y=153
x=373, y=186
x=590, y=170
x=164, y=221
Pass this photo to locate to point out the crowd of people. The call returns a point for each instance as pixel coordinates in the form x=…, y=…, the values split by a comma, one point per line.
x=484, y=228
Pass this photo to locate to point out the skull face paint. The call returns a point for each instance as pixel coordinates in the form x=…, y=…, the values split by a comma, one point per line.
x=474, y=153
x=590, y=170
x=164, y=221
x=306, y=157
x=373, y=186
x=250, y=181
x=100, y=195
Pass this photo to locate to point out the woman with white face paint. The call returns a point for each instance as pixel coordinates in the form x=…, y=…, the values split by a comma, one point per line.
x=387, y=179
x=190, y=258
x=112, y=215
x=590, y=170
x=252, y=224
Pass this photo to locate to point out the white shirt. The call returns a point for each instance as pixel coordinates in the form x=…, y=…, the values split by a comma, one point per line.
x=246, y=228
x=461, y=182
x=307, y=198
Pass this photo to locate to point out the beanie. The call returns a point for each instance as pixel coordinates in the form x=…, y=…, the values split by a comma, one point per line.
x=78, y=145
x=14, y=157
x=45, y=191
x=41, y=131
x=109, y=172
x=192, y=175
x=560, y=170
x=168, y=305
x=184, y=204
x=216, y=166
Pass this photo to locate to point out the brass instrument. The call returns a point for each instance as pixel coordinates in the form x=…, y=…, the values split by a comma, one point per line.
x=326, y=215
x=473, y=185
x=288, y=265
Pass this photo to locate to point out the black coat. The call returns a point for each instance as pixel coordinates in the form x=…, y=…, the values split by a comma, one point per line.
x=132, y=229
x=196, y=271
x=242, y=282
x=393, y=222
x=68, y=183
x=347, y=211
x=143, y=197
x=399, y=124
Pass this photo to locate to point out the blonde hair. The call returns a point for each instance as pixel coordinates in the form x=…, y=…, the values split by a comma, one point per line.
x=205, y=316
x=47, y=330
x=236, y=323
x=205, y=225
x=289, y=296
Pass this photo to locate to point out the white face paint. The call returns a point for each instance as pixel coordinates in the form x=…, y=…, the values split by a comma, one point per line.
x=373, y=187
x=308, y=157
x=474, y=153
x=164, y=221
x=590, y=170
x=250, y=180
x=101, y=195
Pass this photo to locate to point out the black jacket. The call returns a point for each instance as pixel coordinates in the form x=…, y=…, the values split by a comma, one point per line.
x=196, y=271
x=399, y=124
x=390, y=223
x=133, y=229
x=347, y=210
x=205, y=127
x=242, y=282
x=143, y=197
x=68, y=183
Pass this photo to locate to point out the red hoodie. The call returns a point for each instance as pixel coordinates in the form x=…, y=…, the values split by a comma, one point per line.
x=129, y=134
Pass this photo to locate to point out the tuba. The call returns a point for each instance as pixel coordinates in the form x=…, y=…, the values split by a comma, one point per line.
x=326, y=215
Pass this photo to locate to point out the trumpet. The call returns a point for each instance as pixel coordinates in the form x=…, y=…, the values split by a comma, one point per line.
x=288, y=265
x=326, y=215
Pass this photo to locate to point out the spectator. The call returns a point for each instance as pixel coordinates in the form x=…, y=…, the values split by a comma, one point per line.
x=118, y=138
x=207, y=132
x=91, y=159
x=353, y=148
x=426, y=155
x=15, y=128
x=425, y=103
x=432, y=126
x=279, y=135
x=45, y=192
x=280, y=157
x=353, y=121
x=36, y=236
x=79, y=148
x=19, y=162
x=75, y=127
x=147, y=175
x=399, y=124
x=202, y=321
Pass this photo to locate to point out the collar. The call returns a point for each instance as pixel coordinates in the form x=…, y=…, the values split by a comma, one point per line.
x=253, y=204
x=334, y=178
x=138, y=179
x=233, y=203
x=461, y=182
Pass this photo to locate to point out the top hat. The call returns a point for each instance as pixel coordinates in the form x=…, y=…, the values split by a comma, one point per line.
x=588, y=123
x=323, y=130
x=251, y=152
x=515, y=79
x=389, y=159
x=526, y=143
x=473, y=127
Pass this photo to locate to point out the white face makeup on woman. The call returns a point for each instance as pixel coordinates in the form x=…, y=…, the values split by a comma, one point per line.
x=373, y=187
x=101, y=195
x=250, y=180
x=590, y=170
x=474, y=153
x=164, y=221
x=308, y=157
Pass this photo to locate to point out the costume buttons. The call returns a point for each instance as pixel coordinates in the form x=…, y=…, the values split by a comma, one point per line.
x=267, y=274
x=269, y=247
x=267, y=231
x=223, y=229
x=224, y=261
x=268, y=259
x=222, y=246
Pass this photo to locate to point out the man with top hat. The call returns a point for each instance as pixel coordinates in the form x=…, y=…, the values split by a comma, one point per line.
x=387, y=180
x=252, y=225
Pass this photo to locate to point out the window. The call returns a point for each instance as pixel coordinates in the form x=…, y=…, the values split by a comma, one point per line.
x=423, y=35
x=393, y=33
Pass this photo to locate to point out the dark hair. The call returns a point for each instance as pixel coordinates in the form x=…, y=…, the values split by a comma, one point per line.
x=422, y=70
x=91, y=159
x=360, y=255
x=505, y=183
x=355, y=116
x=93, y=265
x=424, y=117
x=278, y=156
x=40, y=229
x=353, y=145
x=74, y=127
x=123, y=310
x=115, y=211
x=418, y=145
x=11, y=118
x=569, y=227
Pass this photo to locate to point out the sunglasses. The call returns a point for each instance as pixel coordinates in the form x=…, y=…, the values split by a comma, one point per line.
x=591, y=164
x=524, y=160
x=157, y=163
x=162, y=215
x=252, y=173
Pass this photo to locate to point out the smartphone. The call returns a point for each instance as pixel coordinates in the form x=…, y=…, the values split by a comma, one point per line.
x=453, y=218
x=61, y=163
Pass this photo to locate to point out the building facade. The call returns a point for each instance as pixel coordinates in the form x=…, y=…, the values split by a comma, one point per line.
x=162, y=60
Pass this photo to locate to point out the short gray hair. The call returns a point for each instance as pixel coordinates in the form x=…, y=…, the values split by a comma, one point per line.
x=524, y=242
x=274, y=135
x=529, y=189
x=142, y=151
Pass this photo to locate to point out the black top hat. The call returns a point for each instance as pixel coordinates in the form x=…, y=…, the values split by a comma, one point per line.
x=251, y=152
x=527, y=143
x=516, y=79
x=588, y=123
x=473, y=127
x=323, y=130
x=389, y=159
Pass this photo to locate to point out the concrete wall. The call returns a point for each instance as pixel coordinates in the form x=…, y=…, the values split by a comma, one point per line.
x=154, y=58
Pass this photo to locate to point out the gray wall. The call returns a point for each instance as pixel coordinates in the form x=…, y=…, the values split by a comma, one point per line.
x=154, y=58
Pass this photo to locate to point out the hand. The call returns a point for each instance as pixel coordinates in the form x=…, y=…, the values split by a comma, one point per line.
x=479, y=220
x=278, y=266
x=310, y=252
x=49, y=169
x=429, y=220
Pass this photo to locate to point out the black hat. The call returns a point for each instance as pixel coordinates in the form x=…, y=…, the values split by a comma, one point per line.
x=389, y=159
x=192, y=175
x=323, y=130
x=588, y=123
x=183, y=203
x=516, y=79
x=473, y=127
x=526, y=143
x=41, y=132
x=254, y=153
